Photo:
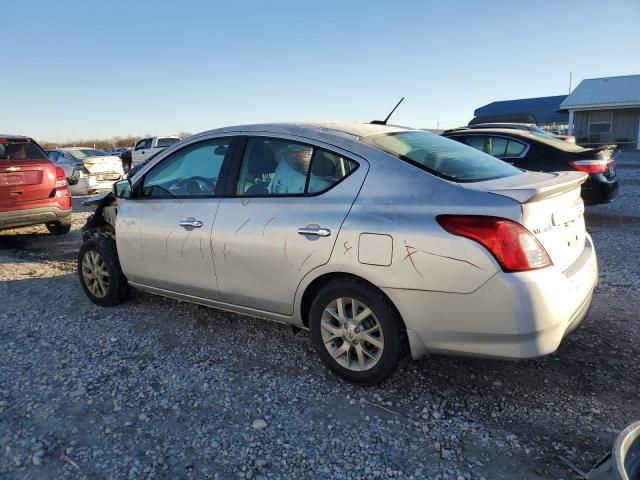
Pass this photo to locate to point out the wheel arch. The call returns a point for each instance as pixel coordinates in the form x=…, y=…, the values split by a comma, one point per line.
x=319, y=282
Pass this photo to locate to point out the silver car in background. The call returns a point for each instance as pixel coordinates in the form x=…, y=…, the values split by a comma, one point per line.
x=371, y=236
x=88, y=170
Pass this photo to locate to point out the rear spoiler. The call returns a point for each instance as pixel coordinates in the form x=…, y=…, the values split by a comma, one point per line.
x=560, y=183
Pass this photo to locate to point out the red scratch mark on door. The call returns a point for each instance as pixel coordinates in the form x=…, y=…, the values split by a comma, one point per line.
x=241, y=226
x=410, y=251
x=347, y=247
x=265, y=225
x=224, y=250
x=166, y=243
x=183, y=244
x=305, y=260
x=285, y=251
x=201, y=252
x=213, y=253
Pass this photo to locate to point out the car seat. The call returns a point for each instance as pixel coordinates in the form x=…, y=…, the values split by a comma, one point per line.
x=261, y=161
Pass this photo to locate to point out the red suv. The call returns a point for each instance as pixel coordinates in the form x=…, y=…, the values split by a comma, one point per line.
x=32, y=189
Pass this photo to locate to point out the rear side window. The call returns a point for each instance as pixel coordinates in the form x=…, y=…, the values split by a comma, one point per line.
x=16, y=150
x=279, y=167
x=442, y=156
x=166, y=142
x=515, y=149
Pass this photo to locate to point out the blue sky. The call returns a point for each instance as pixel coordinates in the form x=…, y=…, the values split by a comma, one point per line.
x=80, y=69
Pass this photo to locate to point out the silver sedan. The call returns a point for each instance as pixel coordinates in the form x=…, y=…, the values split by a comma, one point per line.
x=373, y=237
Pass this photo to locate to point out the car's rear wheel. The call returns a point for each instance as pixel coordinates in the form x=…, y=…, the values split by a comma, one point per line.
x=100, y=274
x=59, y=228
x=356, y=331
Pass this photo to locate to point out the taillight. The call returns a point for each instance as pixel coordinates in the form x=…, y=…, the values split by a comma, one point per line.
x=592, y=166
x=513, y=246
x=61, y=178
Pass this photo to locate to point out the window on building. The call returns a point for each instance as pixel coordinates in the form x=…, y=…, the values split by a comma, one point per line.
x=600, y=122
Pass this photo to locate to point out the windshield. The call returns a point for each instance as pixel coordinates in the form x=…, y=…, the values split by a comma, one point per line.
x=165, y=142
x=86, y=153
x=557, y=143
x=20, y=150
x=441, y=156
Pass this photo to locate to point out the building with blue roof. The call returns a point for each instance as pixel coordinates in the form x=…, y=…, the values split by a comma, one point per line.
x=543, y=111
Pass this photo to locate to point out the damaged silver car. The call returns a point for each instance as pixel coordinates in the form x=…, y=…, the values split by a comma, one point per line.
x=373, y=237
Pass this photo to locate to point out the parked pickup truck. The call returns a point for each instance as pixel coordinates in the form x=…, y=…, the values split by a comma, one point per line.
x=148, y=146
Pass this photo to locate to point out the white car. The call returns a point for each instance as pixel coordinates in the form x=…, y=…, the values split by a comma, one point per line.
x=88, y=170
x=371, y=236
x=149, y=146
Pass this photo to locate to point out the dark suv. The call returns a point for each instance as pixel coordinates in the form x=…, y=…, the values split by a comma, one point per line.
x=540, y=152
x=32, y=189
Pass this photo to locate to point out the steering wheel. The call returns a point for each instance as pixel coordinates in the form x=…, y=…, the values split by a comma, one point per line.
x=193, y=186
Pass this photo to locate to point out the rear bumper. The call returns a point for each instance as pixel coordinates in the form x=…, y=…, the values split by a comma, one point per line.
x=512, y=316
x=32, y=216
x=599, y=189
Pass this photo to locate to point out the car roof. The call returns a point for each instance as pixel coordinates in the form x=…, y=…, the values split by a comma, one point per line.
x=6, y=136
x=349, y=130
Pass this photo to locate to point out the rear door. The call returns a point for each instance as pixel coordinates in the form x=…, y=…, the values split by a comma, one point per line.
x=281, y=218
x=26, y=174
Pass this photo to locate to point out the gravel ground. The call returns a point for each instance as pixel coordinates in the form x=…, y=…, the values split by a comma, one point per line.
x=162, y=389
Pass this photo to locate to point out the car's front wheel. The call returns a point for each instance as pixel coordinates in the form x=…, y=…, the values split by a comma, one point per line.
x=100, y=274
x=356, y=331
x=59, y=228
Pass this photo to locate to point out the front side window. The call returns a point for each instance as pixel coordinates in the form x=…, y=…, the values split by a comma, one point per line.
x=190, y=172
x=441, y=156
x=282, y=167
x=600, y=122
x=140, y=145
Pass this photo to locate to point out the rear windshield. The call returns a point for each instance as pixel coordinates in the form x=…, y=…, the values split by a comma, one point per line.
x=165, y=142
x=13, y=150
x=86, y=153
x=441, y=156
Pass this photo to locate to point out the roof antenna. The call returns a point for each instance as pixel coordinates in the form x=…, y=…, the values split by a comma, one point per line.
x=384, y=122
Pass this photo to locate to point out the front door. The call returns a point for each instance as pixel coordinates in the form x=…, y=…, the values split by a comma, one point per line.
x=282, y=220
x=166, y=229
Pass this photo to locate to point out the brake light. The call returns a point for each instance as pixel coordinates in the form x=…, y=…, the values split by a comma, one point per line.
x=61, y=178
x=513, y=246
x=592, y=166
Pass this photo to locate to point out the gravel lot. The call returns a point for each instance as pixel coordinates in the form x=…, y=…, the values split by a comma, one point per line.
x=162, y=389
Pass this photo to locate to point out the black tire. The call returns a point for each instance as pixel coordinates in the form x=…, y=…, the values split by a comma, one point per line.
x=117, y=288
x=59, y=228
x=386, y=315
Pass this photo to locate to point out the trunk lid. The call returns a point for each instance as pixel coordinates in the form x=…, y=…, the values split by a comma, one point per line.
x=108, y=166
x=552, y=210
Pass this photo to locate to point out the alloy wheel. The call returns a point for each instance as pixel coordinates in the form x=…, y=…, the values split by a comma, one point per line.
x=95, y=273
x=352, y=334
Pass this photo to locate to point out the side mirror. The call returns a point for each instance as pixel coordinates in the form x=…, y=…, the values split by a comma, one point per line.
x=122, y=188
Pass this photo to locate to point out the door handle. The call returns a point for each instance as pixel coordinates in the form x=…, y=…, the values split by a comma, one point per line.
x=191, y=222
x=317, y=232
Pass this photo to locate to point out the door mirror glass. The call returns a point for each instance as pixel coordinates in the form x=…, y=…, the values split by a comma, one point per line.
x=122, y=189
